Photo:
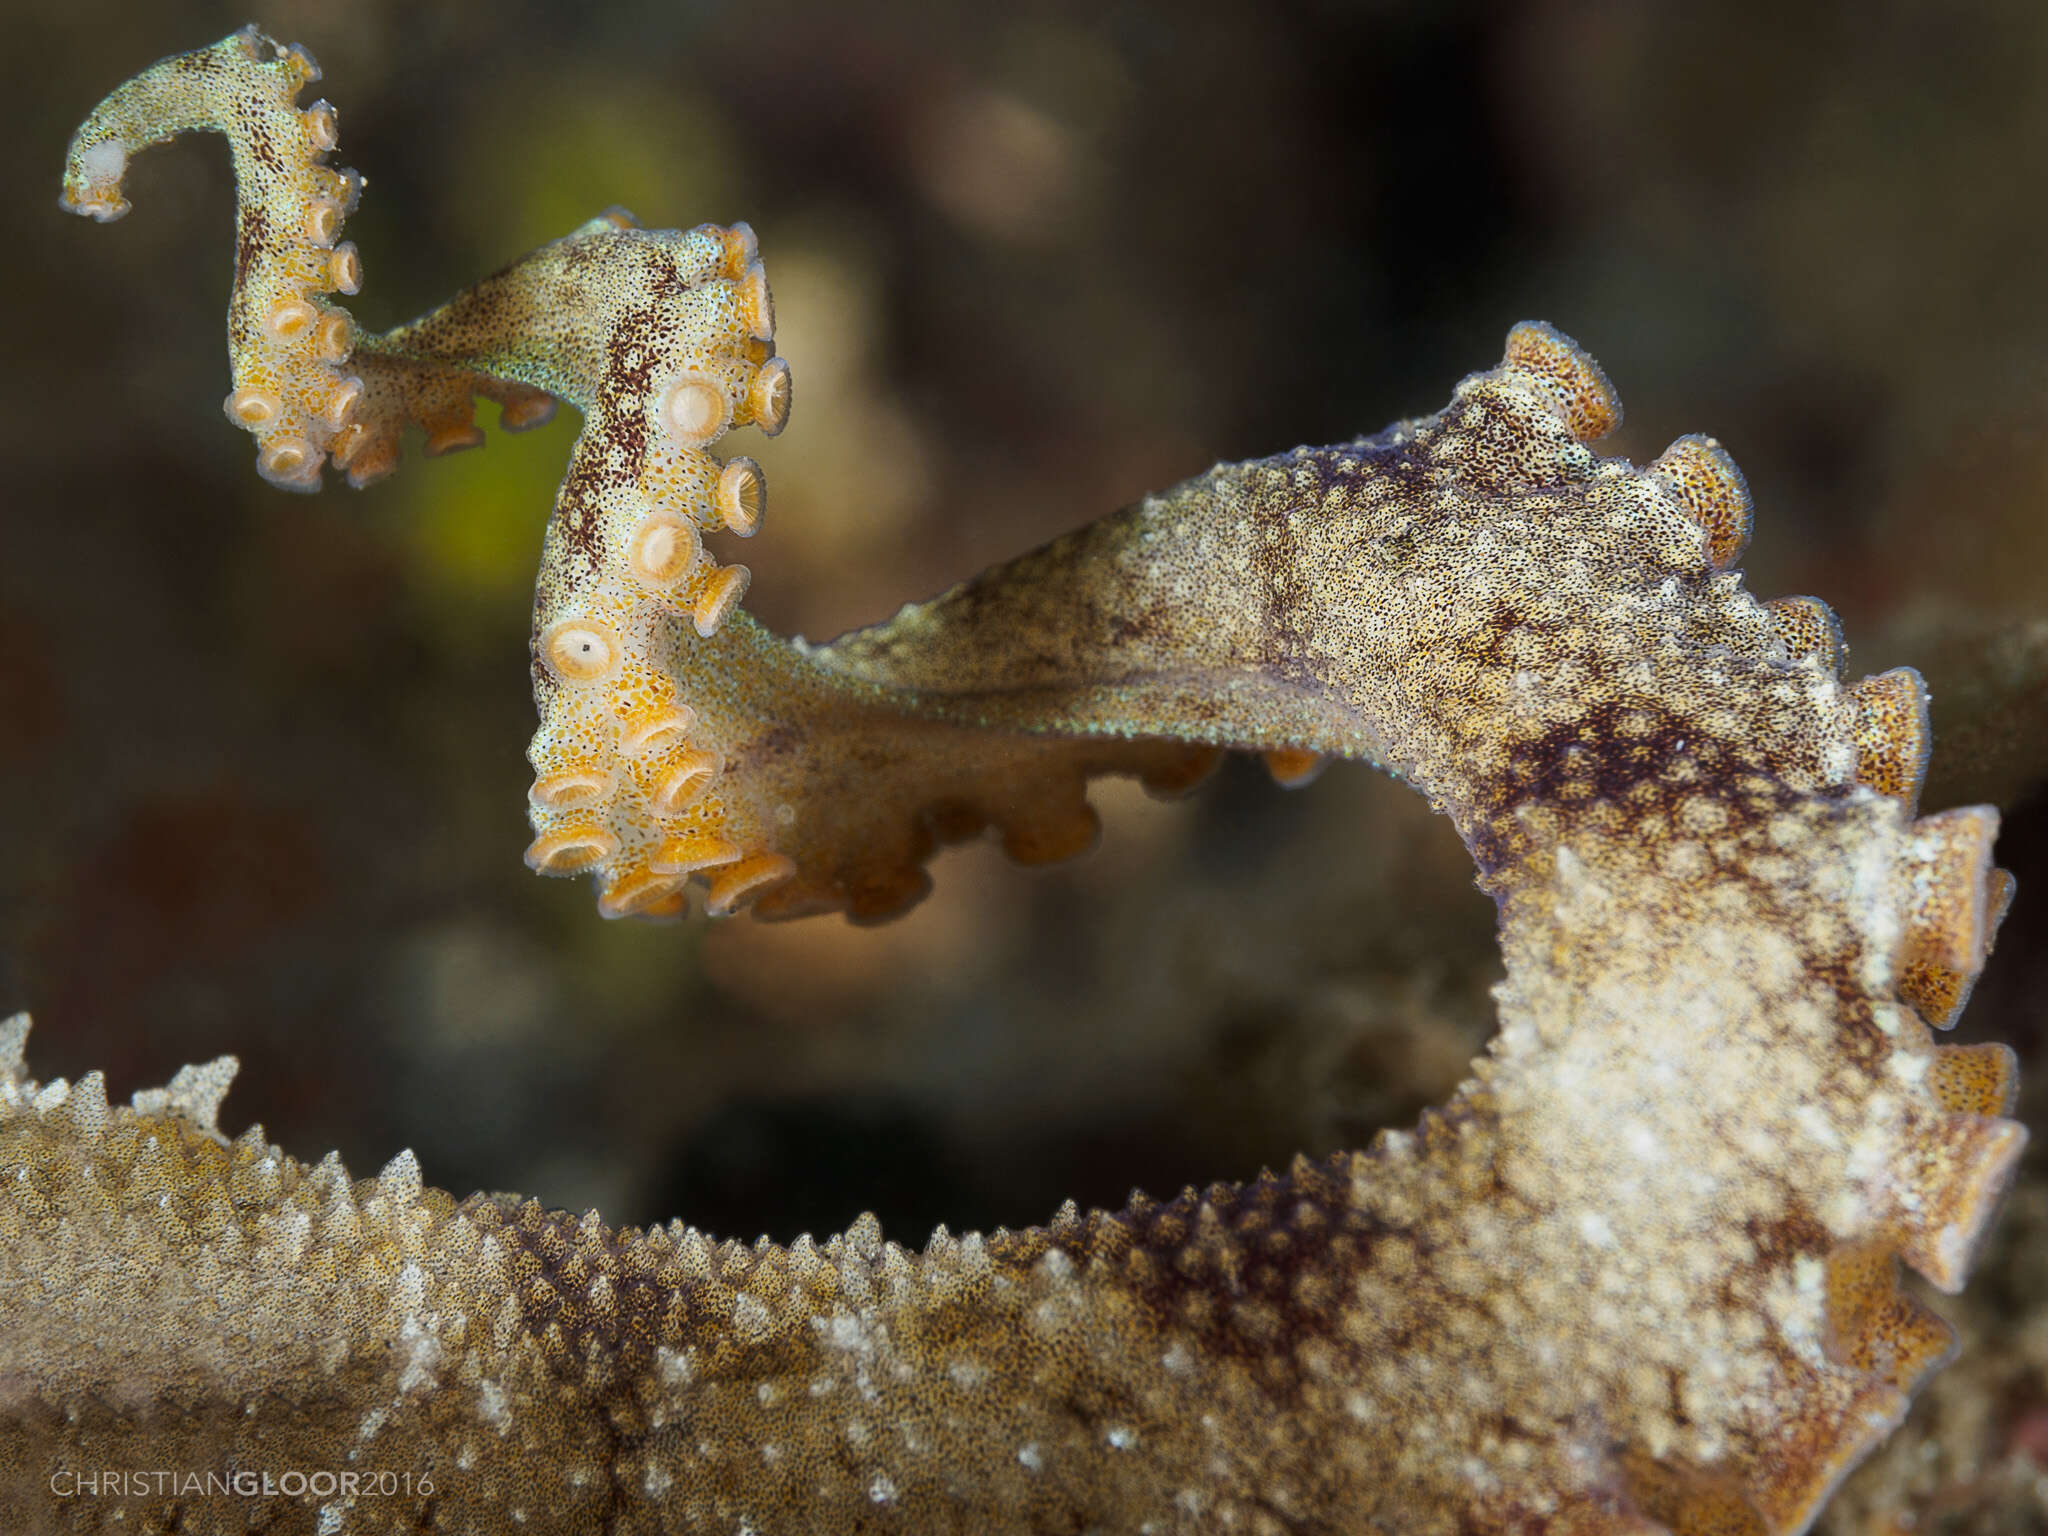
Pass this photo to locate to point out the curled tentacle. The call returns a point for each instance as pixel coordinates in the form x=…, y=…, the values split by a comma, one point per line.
x=664, y=342
x=287, y=345
x=679, y=742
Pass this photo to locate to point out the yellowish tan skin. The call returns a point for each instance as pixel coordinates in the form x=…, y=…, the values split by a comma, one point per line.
x=1639, y=1274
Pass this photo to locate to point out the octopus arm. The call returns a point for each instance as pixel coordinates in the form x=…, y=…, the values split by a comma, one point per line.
x=1640, y=1273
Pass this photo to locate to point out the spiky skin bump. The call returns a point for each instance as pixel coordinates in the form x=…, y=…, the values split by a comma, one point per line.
x=1808, y=628
x=1708, y=484
x=1639, y=1273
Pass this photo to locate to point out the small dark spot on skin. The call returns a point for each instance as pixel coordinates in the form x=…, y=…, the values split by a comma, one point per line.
x=1859, y=1038
x=578, y=254
x=777, y=741
x=1489, y=647
x=1589, y=759
x=262, y=149
x=1195, y=1255
x=1782, y=1240
x=252, y=233
x=614, y=452
x=1383, y=458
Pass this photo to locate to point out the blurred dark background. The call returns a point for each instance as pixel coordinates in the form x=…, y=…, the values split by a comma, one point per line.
x=260, y=756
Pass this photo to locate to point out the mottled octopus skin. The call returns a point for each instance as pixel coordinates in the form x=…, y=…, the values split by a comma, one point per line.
x=1639, y=1274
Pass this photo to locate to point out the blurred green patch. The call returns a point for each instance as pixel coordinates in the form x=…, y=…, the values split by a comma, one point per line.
x=590, y=143
x=626, y=974
x=471, y=526
x=472, y=523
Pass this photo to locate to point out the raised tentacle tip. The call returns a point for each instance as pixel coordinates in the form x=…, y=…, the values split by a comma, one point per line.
x=1587, y=401
x=1888, y=725
x=1706, y=482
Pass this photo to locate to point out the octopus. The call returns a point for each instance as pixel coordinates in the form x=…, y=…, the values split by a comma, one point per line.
x=1640, y=1273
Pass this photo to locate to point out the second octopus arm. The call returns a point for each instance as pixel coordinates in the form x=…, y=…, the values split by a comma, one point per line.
x=1639, y=1273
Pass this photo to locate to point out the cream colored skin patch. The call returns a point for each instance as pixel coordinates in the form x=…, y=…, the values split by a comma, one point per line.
x=1638, y=1274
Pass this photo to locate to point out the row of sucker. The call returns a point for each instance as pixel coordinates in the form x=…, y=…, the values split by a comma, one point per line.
x=1954, y=1152
x=622, y=785
x=627, y=772
x=1960, y=1149
x=288, y=346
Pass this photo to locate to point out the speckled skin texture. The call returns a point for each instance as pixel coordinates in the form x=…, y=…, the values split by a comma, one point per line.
x=286, y=340
x=1638, y=1274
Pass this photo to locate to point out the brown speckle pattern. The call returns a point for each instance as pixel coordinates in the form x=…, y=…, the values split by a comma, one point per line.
x=1639, y=1273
